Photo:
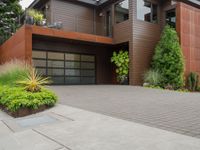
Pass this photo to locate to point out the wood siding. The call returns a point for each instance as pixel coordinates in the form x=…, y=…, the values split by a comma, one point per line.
x=121, y=32
x=74, y=17
x=144, y=38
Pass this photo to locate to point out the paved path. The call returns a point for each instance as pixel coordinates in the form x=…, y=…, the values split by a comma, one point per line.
x=67, y=128
x=168, y=110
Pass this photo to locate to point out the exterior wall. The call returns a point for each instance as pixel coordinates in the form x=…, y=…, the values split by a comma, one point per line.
x=102, y=53
x=144, y=37
x=188, y=27
x=75, y=17
x=121, y=32
x=17, y=47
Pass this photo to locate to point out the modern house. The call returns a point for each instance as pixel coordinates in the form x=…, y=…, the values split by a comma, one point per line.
x=80, y=52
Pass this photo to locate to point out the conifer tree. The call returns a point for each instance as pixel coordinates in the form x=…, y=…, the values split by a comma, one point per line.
x=168, y=59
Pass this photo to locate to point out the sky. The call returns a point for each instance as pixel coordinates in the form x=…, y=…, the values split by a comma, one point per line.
x=25, y=3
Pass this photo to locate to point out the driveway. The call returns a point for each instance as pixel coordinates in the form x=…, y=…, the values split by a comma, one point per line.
x=173, y=111
x=67, y=128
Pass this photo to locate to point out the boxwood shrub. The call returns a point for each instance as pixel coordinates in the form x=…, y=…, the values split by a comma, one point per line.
x=15, y=98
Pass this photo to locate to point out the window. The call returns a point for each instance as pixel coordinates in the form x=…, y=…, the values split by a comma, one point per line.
x=147, y=11
x=122, y=11
x=171, y=18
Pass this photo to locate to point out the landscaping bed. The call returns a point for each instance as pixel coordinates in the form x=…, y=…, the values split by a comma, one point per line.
x=18, y=102
x=22, y=90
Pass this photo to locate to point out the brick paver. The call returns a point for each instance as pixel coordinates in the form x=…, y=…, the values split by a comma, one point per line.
x=173, y=111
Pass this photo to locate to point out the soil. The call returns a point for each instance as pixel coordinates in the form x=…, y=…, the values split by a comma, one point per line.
x=24, y=111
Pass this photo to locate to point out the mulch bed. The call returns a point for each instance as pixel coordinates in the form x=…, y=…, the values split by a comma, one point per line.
x=24, y=111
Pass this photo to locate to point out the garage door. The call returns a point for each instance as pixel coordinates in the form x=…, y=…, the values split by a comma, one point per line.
x=66, y=68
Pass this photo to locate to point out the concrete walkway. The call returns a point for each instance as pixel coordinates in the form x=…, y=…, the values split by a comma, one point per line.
x=168, y=110
x=67, y=128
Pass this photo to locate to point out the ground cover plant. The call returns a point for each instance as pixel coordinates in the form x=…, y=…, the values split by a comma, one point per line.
x=193, y=81
x=22, y=90
x=152, y=78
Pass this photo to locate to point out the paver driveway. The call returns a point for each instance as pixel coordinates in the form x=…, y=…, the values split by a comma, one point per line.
x=173, y=111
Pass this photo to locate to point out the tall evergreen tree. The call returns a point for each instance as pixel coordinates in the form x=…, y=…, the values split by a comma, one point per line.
x=10, y=11
x=168, y=59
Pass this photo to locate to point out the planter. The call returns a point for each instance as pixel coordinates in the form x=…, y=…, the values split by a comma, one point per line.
x=125, y=82
x=30, y=20
x=24, y=111
x=39, y=23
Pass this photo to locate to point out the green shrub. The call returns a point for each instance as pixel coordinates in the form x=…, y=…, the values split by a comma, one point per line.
x=153, y=77
x=14, y=98
x=121, y=60
x=12, y=71
x=193, y=81
x=168, y=59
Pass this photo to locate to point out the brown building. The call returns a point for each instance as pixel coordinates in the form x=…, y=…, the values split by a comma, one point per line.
x=80, y=52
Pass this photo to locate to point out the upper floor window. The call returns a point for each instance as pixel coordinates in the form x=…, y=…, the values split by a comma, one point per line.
x=147, y=11
x=122, y=11
x=171, y=18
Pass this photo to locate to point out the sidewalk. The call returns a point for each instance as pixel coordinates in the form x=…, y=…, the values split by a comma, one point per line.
x=67, y=128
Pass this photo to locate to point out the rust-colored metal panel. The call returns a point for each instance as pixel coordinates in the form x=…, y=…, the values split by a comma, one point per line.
x=17, y=47
x=71, y=35
x=188, y=27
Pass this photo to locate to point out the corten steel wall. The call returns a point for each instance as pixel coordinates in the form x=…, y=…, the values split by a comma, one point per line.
x=102, y=53
x=188, y=27
x=19, y=46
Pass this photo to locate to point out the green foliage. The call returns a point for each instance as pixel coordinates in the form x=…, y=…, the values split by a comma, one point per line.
x=168, y=59
x=153, y=77
x=33, y=81
x=193, y=81
x=37, y=15
x=14, y=98
x=121, y=60
x=12, y=71
x=12, y=76
x=9, y=16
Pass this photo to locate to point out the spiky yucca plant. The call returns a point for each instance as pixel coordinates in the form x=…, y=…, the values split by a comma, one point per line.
x=34, y=81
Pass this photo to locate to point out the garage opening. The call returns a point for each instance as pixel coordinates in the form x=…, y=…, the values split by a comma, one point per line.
x=66, y=68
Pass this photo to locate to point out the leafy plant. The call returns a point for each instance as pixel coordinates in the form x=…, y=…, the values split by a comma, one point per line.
x=121, y=60
x=168, y=59
x=33, y=81
x=193, y=81
x=37, y=16
x=153, y=77
x=15, y=98
x=10, y=10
